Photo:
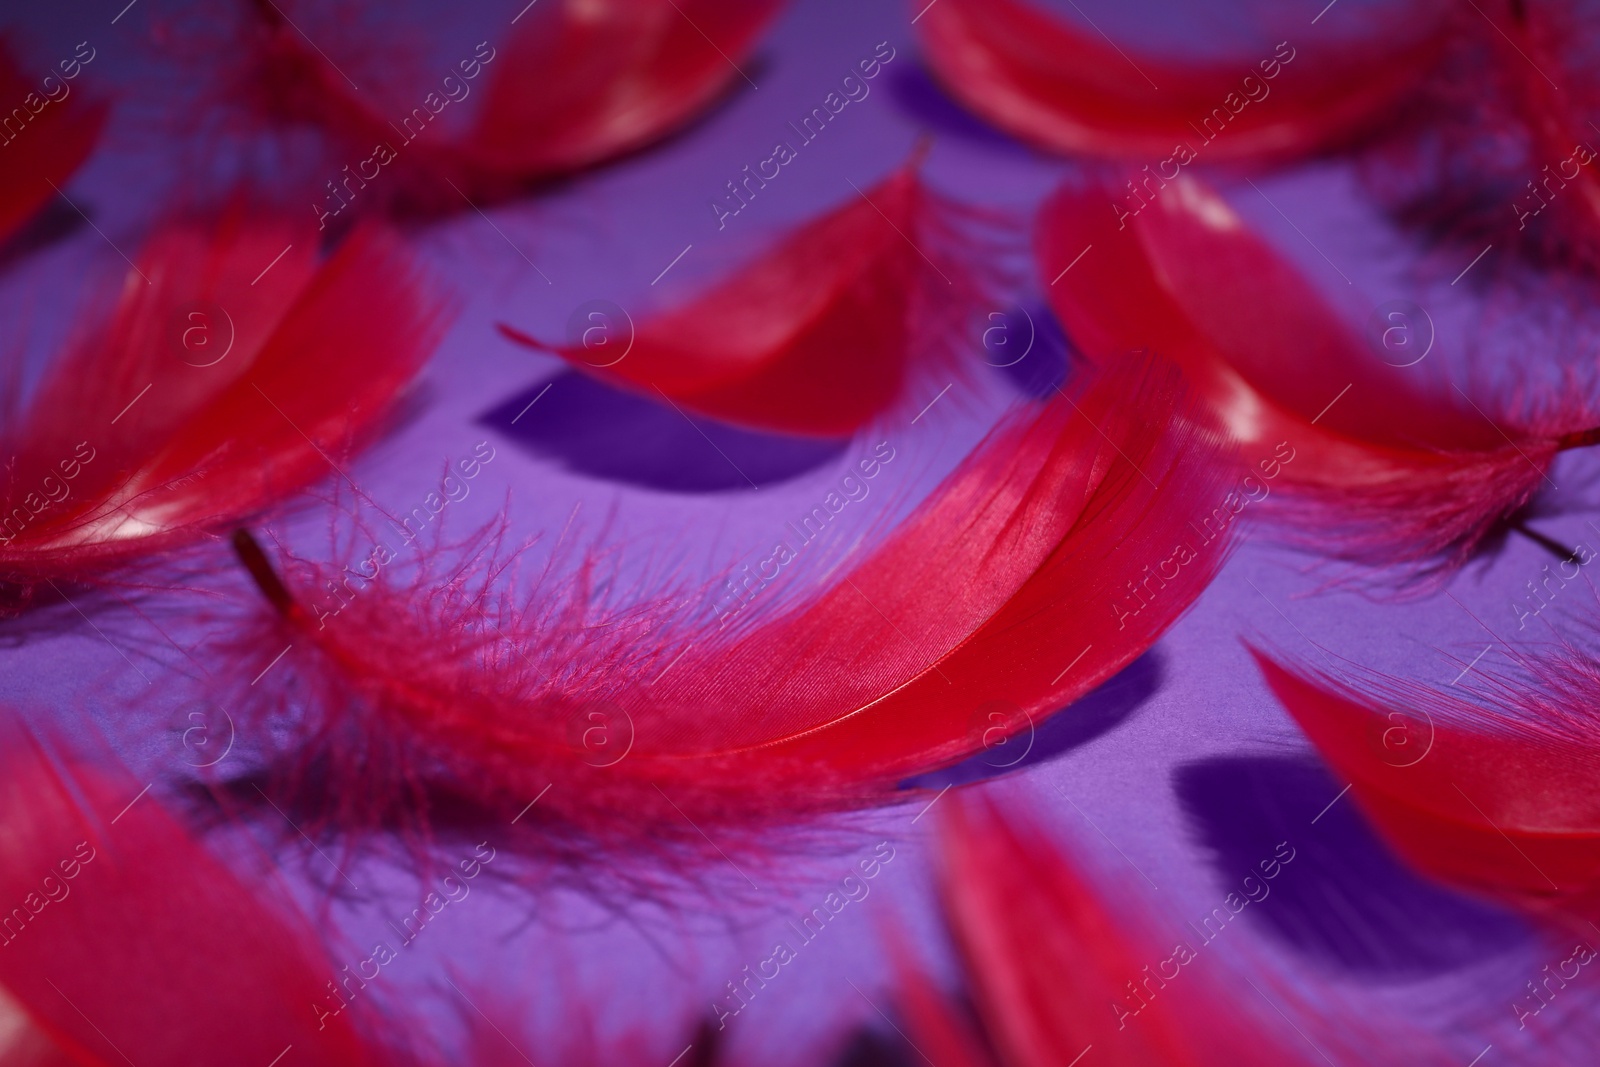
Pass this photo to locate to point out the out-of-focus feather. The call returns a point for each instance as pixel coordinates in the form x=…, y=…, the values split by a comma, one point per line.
x=124, y=941
x=1380, y=468
x=222, y=375
x=1067, y=89
x=43, y=139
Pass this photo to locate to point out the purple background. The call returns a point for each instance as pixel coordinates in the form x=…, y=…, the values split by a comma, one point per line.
x=1181, y=774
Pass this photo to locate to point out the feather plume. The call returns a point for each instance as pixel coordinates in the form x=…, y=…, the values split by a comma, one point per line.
x=221, y=376
x=1378, y=468
x=1494, y=794
x=821, y=334
x=1014, y=581
x=125, y=941
x=1065, y=88
x=42, y=151
x=1508, y=154
x=577, y=83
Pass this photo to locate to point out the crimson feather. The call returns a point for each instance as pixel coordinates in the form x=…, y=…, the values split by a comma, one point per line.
x=1059, y=963
x=219, y=377
x=1007, y=584
x=50, y=141
x=125, y=941
x=1066, y=89
x=824, y=332
x=1380, y=468
x=1508, y=156
x=1494, y=795
x=576, y=84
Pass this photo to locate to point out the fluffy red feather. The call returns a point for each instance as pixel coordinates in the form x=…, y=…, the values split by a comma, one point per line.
x=221, y=375
x=1494, y=795
x=123, y=941
x=821, y=334
x=1014, y=581
x=1067, y=89
x=1509, y=156
x=44, y=139
x=577, y=83
x=1380, y=467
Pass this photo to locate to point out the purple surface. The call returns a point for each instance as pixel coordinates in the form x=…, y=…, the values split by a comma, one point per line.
x=1182, y=772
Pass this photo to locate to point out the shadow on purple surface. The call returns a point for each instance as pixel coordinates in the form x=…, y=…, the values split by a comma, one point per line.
x=594, y=430
x=1076, y=724
x=1345, y=900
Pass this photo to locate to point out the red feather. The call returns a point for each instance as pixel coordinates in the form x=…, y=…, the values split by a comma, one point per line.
x=820, y=335
x=41, y=148
x=1379, y=470
x=1509, y=155
x=1067, y=89
x=1059, y=962
x=1007, y=584
x=221, y=376
x=577, y=83
x=126, y=942
x=1495, y=796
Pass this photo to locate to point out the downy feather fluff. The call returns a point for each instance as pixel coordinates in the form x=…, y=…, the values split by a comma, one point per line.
x=1380, y=468
x=44, y=138
x=1013, y=581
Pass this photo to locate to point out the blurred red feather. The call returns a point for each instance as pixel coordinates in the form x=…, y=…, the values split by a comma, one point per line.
x=219, y=377
x=46, y=146
x=1058, y=85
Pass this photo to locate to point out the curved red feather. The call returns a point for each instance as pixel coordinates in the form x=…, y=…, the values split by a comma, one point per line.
x=1066, y=89
x=1382, y=469
x=1495, y=797
x=220, y=378
x=125, y=941
x=1015, y=581
x=577, y=83
x=823, y=333
x=40, y=148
